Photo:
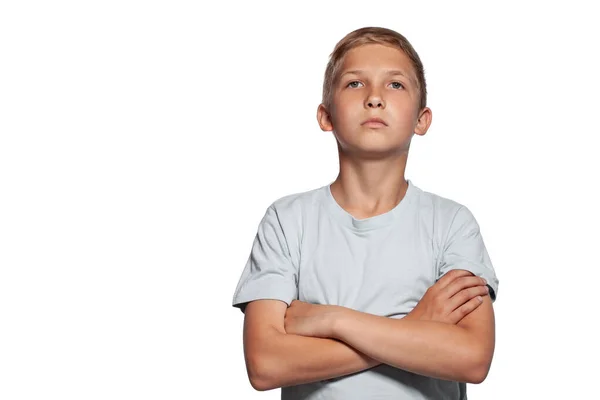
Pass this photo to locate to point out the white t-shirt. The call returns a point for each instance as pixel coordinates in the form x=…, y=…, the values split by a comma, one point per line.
x=309, y=248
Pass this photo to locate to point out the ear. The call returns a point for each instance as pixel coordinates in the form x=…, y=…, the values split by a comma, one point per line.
x=423, y=122
x=324, y=118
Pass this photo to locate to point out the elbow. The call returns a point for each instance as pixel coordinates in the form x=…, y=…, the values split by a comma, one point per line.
x=478, y=369
x=257, y=380
x=259, y=376
x=259, y=384
x=263, y=362
x=477, y=376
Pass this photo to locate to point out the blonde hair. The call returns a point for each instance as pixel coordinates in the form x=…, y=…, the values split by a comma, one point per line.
x=371, y=35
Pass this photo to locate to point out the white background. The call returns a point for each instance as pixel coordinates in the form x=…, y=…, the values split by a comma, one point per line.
x=141, y=143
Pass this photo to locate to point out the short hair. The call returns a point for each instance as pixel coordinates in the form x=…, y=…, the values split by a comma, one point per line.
x=371, y=35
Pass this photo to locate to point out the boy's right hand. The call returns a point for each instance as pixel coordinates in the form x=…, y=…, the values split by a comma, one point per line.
x=451, y=298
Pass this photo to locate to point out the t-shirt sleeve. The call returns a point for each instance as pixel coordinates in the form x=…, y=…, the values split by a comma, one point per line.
x=464, y=249
x=269, y=272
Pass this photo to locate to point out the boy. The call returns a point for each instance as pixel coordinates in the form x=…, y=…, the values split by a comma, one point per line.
x=347, y=292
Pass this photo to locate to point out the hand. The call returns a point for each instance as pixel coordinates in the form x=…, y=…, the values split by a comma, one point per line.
x=451, y=298
x=308, y=319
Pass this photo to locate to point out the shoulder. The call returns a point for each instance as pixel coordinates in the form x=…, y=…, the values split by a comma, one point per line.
x=298, y=199
x=441, y=208
x=443, y=215
x=292, y=213
x=295, y=206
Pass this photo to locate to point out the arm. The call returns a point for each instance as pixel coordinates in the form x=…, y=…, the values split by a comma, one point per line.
x=276, y=359
x=461, y=352
x=281, y=351
x=268, y=283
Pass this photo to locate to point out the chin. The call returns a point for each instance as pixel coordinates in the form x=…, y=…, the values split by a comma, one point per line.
x=375, y=152
x=373, y=142
x=379, y=145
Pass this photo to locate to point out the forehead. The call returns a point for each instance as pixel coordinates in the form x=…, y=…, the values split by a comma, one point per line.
x=372, y=58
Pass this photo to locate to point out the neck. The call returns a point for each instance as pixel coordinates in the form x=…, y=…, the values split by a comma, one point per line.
x=369, y=187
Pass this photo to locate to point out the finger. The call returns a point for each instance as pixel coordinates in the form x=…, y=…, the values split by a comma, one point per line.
x=449, y=277
x=465, y=309
x=462, y=283
x=465, y=296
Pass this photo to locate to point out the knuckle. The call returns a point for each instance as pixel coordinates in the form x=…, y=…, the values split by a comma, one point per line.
x=469, y=306
x=465, y=295
x=455, y=289
x=470, y=281
x=458, y=272
x=464, y=281
x=453, y=274
x=458, y=314
x=462, y=272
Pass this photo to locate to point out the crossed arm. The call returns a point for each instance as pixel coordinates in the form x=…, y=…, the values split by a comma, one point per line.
x=277, y=359
x=461, y=352
x=308, y=343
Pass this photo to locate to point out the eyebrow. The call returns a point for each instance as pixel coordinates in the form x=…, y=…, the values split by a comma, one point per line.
x=390, y=72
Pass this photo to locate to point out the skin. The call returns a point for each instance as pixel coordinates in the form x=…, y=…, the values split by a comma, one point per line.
x=461, y=352
x=371, y=181
x=368, y=85
x=287, y=346
x=373, y=159
x=450, y=334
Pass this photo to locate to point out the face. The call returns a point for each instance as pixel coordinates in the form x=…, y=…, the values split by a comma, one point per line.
x=375, y=107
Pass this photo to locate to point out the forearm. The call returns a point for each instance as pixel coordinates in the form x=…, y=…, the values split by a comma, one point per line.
x=428, y=348
x=287, y=359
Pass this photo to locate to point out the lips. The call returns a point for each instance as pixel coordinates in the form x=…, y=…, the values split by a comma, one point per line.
x=374, y=122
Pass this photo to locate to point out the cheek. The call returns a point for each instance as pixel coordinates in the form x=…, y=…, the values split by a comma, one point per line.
x=347, y=108
x=401, y=110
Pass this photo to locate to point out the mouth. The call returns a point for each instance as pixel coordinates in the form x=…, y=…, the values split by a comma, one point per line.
x=374, y=123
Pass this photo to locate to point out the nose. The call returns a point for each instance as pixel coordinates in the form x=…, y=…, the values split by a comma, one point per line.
x=374, y=100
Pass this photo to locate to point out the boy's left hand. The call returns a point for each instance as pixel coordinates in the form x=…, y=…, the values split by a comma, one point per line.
x=308, y=319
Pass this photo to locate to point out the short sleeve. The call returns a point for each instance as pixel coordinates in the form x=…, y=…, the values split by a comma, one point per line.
x=464, y=249
x=269, y=272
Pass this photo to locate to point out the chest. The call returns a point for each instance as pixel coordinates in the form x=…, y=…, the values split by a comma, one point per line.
x=384, y=272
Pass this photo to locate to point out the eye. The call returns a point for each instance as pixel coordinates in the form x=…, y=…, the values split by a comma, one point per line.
x=397, y=85
x=354, y=84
